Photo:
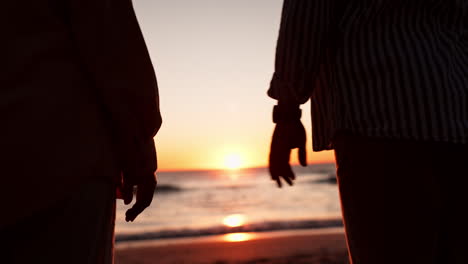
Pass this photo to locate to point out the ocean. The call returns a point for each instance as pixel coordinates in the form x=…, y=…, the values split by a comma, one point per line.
x=203, y=203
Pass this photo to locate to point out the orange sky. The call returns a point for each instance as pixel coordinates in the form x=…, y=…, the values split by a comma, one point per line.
x=214, y=60
x=199, y=156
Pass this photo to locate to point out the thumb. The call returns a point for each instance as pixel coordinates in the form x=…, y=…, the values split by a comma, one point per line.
x=302, y=153
x=127, y=193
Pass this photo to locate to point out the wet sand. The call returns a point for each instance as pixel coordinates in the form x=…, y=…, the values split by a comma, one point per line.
x=325, y=246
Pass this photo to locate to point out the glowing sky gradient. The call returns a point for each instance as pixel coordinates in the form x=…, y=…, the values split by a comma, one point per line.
x=214, y=60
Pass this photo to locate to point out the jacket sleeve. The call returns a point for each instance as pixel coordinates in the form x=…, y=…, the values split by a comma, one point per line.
x=112, y=49
x=301, y=48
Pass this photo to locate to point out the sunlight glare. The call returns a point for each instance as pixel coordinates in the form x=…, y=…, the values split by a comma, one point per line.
x=234, y=220
x=238, y=237
x=233, y=161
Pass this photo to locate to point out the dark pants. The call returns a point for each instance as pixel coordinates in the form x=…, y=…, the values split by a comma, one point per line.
x=77, y=230
x=403, y=201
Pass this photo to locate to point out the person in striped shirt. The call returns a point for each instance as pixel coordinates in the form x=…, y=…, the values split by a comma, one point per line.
x=388, y=84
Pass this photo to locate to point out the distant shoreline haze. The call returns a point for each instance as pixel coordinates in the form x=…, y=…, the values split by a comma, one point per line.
x=312, y=166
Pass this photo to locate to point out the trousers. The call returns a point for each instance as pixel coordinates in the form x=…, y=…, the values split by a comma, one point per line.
x=77, y=230
x=403, y=201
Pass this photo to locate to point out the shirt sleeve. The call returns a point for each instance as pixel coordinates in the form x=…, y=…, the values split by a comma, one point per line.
x=301, y=48
x=112, y=48
x=465, y=22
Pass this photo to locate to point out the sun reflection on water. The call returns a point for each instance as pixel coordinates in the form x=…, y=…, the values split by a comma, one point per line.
x=233, y=176
x=238, y=237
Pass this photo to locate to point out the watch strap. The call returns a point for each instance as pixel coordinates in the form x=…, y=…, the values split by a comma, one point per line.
x=282, y=113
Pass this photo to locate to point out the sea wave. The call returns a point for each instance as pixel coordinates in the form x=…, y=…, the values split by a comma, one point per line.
x=221, y=230
x=168, y=188
x=330, y=179
x=171, y=188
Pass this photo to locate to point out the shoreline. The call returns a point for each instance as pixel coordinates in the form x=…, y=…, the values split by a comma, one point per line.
x=257, y=228
x=312, y=246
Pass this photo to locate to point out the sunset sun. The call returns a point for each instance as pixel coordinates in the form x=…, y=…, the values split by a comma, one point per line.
x=233, y=162
x=234, y=220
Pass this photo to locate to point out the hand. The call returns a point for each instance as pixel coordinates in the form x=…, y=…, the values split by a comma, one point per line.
x=138, y=174
x=287, y=136
x=144, y=197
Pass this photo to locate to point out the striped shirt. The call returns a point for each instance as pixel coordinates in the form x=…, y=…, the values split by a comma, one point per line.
x=378, y=68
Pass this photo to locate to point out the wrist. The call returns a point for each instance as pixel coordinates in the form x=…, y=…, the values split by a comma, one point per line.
x=286, y=113
x=288, y=104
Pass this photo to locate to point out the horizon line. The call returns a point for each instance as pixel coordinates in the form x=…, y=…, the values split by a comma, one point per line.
x=240, y=169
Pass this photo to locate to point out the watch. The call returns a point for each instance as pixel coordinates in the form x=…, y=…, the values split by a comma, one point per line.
x=283, y=114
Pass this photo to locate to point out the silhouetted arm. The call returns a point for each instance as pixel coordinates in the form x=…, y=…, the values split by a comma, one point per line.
x=112, y=50
x=302, y=43
x=301, y=49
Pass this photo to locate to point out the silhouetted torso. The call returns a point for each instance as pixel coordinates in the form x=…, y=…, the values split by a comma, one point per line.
x=57, y=98
x=53, y=133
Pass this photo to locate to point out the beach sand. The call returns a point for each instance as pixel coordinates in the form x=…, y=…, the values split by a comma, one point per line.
x=326, y=246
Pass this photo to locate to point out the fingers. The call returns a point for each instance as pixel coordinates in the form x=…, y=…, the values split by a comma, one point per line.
x=278, y=181
x=133, y=212
x=284, y=172
x=288, y=179
x=279, y=167
x=144, y=197
x=288, y=175
x=127, y=193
